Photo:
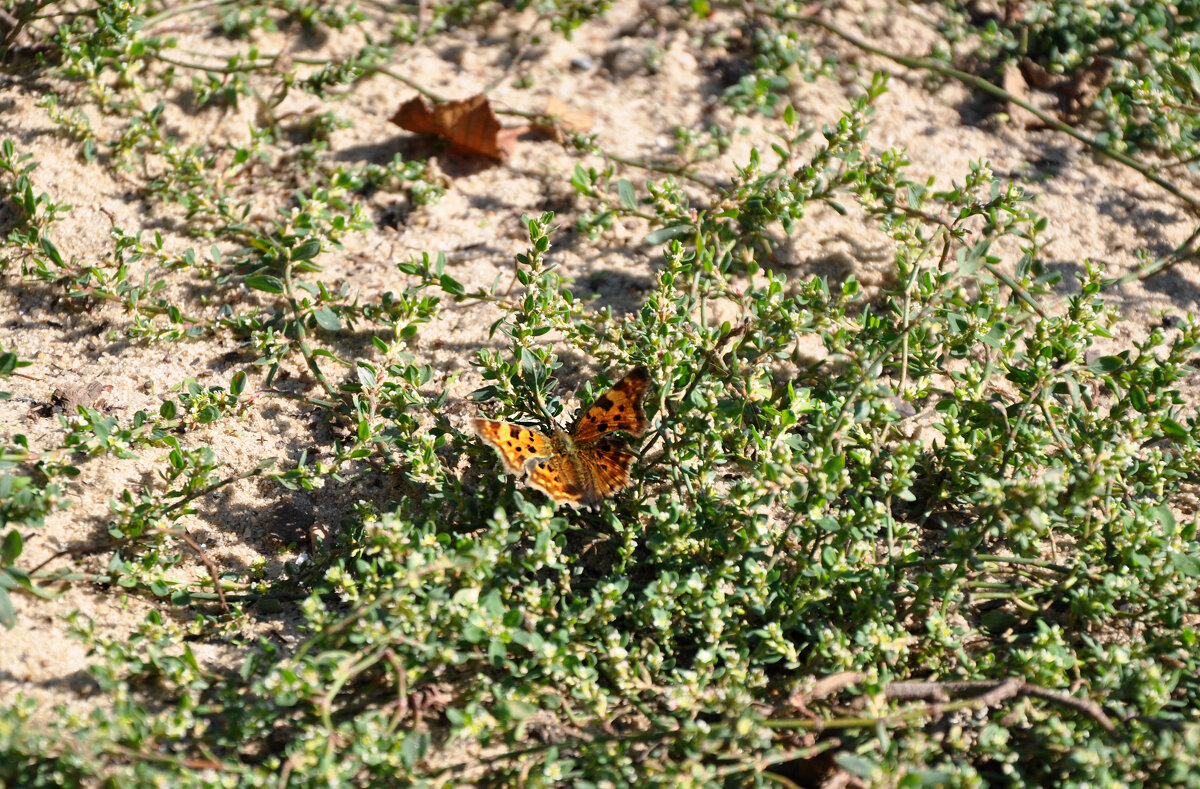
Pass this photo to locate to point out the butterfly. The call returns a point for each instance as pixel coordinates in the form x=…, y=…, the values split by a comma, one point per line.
x=585, y=464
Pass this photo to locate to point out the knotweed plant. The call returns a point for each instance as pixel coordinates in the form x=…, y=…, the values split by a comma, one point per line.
x=926, y=532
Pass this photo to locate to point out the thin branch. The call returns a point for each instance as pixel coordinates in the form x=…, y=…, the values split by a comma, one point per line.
x=1178, y=255
x=937, y=695
x=112, y=545
x=208, y=563
x=991, y=693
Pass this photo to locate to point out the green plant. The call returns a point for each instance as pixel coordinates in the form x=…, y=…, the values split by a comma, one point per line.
x=1128, y=68
x=921, y=532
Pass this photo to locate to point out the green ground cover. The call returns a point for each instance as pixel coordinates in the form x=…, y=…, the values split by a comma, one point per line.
x=794, y=587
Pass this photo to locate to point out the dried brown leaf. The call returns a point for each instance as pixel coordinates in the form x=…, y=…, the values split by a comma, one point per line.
x=467, y=124
x=564, y=117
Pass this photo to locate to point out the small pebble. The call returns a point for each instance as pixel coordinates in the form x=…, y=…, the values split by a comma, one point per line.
x=626, y=59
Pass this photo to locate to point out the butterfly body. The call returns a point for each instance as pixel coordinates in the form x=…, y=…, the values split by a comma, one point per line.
x=586, y=464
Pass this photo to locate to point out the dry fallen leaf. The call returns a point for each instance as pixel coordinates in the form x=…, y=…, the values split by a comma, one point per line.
x=468, y=124
x=564, y=117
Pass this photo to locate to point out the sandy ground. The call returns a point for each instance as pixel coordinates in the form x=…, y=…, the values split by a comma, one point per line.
x=1097, y=211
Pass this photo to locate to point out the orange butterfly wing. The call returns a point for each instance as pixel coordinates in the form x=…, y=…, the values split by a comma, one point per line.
x=605, y=465
x=586, y=475
x=556, y=477
x=620, y=408
x=514, y=444
x=587, y=465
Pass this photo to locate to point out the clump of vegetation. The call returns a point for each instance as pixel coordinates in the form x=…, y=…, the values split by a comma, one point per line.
x=1129, y=69
x=922, y=535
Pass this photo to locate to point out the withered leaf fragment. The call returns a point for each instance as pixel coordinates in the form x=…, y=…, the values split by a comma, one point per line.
x=468, y=124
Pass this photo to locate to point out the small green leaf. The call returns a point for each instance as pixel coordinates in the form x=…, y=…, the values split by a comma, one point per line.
x=265, y=282
x=857, y=765
x=627, y=194
x=484, y=394
x=327, y=319
x=51, y=251
x=1162, y=513
x=665, y=234
x=1186, y=565
x=1137, y=399
x=308, y=250
x=1172, y=429
x=517, y=710
x=8, y=617
x=414, y=747
x=451, y=285
x=10, y=549
x=529, y=363
x=1107, y=364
